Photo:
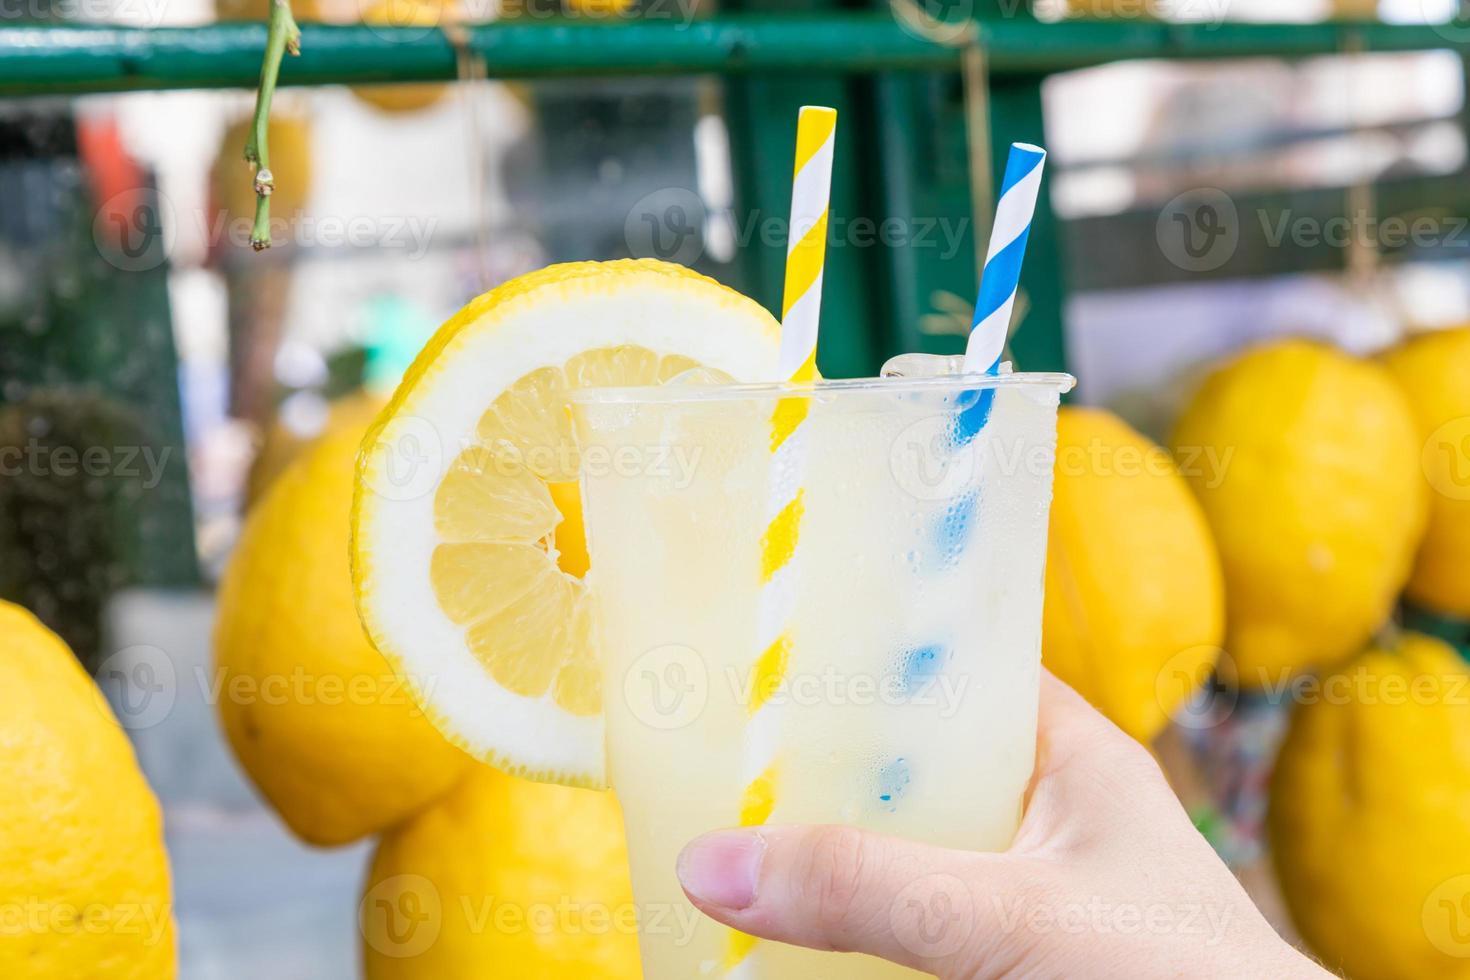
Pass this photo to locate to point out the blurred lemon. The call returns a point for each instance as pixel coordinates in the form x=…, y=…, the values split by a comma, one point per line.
x=84, y=880
x=327, y=732
x=503, y=878
x=1307, y=464
x=1370, y=814
x=1434, y=372
x=290, y=157
x=283, y=442
x=1133, y=588
x=409, y=96
x=259, y=10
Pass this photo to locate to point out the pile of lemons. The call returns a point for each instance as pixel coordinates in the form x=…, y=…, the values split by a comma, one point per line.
x=342, y=752
x=1304, y=495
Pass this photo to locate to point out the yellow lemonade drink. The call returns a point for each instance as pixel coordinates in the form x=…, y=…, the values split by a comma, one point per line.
x=907, y=702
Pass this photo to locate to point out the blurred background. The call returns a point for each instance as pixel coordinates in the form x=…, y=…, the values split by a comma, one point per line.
x=1284, y=178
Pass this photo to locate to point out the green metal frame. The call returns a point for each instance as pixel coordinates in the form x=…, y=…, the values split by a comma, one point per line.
x=901, y=152
x=47, y=60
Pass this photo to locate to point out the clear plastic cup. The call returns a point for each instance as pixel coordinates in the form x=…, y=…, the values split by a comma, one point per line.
x=912, y=603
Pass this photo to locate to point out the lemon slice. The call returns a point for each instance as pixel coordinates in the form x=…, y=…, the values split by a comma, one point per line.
x=467, y=550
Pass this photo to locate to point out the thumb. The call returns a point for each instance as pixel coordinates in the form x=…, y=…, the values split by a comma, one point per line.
x=839, y=888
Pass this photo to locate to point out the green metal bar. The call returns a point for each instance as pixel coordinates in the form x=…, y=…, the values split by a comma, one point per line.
x=40, y=59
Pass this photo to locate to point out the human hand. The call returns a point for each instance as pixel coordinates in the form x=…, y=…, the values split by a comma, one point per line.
x=1107, y=877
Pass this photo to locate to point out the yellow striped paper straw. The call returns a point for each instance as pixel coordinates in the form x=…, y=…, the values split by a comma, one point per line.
x=806, y=251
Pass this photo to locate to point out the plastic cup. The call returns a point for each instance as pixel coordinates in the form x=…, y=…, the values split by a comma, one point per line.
x=909, y=701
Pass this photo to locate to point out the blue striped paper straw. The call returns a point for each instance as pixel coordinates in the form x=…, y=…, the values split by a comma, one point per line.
x=1002, y=274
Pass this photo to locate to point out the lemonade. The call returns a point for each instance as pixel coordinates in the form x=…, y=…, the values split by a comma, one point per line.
x=909, y=698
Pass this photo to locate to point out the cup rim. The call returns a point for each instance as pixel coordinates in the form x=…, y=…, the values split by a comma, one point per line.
x=666, y=394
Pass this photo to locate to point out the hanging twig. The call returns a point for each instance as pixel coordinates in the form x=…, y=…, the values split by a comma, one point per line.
x=282, y=36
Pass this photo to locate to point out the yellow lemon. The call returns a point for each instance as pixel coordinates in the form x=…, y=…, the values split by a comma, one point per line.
x=1134, y=612
x=1434, y=372
x=503, y=878
x=84, y=880
x=322, y=725
x=1306, y=462
x=260, y=10
x=283, y=443
x=1370, y=814
x=467, y=553
x=290, y=158
x=410, y=96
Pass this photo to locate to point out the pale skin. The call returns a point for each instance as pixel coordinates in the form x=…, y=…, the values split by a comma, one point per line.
x=1106, y=878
